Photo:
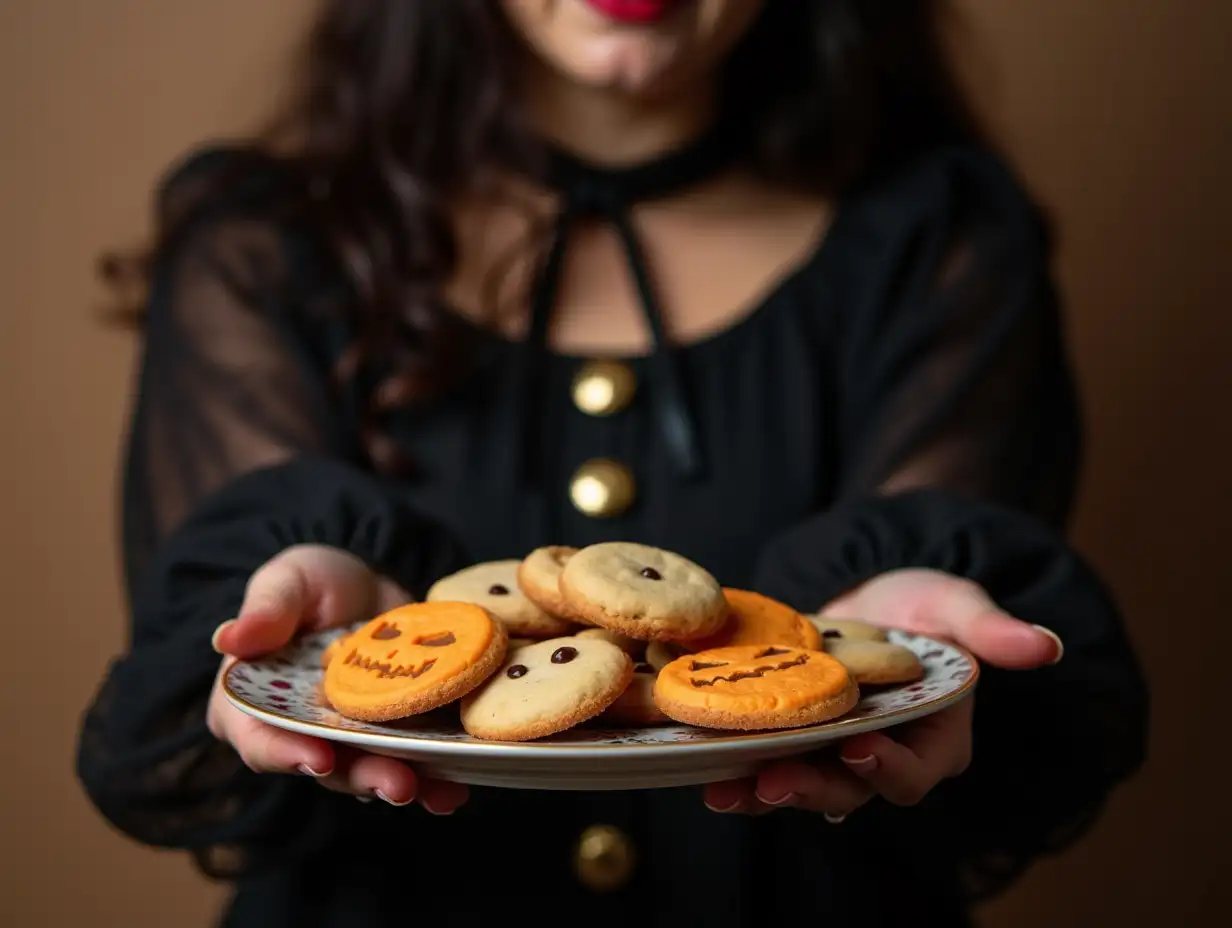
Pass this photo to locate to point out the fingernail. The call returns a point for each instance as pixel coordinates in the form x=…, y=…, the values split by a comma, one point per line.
x=1055, y=637
x=218, y=631
x=432, y=811
x=865, y=764
x=364, y=799
x=731, y=808
x=380, y=795
x=781, y=801
x=835, y=819
x=309, y=772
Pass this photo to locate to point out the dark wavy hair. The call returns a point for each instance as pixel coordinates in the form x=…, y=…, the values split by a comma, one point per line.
x=400, y=106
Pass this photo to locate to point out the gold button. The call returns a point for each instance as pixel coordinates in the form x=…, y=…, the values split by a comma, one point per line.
x=603, y=388
x=602, y=488
x=604, y=859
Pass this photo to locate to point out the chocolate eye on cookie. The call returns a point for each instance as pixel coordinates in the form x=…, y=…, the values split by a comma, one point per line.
x=494, y=586
x=574, y=679
x=605, y=585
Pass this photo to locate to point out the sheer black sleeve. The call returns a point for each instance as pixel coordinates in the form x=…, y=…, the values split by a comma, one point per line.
x=959, y=438
x=236, y=453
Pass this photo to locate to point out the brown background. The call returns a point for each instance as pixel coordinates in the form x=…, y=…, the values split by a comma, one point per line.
x=1118, y=112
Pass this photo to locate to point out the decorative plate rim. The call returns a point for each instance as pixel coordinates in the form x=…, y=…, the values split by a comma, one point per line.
x=444, y=747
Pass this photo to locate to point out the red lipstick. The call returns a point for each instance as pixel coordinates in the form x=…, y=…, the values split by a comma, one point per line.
x=635, y=12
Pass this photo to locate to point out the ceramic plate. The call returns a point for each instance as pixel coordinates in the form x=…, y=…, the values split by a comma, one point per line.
x=285, y=691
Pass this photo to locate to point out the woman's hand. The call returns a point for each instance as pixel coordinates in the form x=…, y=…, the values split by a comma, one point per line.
x=304, y=588
x=904, y=768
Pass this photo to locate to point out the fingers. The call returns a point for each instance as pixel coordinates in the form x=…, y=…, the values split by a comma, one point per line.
x=968, y=615
x=730, y=796
x=274, y=606
x=266, y=749
x=441, y=797
x=305, y=585
x=372, y=776
x=928, y=752
x=823, y=787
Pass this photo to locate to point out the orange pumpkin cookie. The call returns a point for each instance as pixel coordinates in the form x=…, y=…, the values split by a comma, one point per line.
x=636, y=705
x=757, y=619
x=333, y=649
x=539, y=577
x=414, y=659
x=494, y=586
x=643, y=592
x=875, y=662
x=753, y=687
x=547, y=687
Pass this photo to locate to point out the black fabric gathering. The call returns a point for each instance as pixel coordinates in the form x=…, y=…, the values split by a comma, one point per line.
x=902, y=398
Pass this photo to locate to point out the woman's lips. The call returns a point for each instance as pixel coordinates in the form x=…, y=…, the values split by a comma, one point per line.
x=635, y=11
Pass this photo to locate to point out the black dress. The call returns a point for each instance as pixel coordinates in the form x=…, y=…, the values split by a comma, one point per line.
x=902, y=398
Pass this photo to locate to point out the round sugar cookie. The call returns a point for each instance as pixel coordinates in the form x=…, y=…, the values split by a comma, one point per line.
x=539, y=577
x=636, y=706
x=753, y=687
x=875, y=662
x=494, y=586
x=413, y=659
x=847, y=628
x=643, y=592
x=631, y=646
x=547, y=687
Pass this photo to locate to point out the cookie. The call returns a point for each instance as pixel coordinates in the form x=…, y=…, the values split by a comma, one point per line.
x=547, y=687
x=539, y=577
x=494, y=586
x=333, y=649
x=643, y=592
x=661, y=653
x=636, y=705
x=631, y=646
x=752, y=687
x=414, y=659
x=875, y=662
x=847, y=628
x=757, y=619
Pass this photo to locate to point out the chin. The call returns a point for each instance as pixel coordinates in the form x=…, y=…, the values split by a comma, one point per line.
x=628, y=65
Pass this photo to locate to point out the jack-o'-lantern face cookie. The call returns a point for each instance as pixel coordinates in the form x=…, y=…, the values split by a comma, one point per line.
x=757, y=619
x=847, y=628
x=752, y=687
x=414, y=659
x=547, y=687
x=539, y=577
x=495, y=587
x=875, y=662
x=643, y=592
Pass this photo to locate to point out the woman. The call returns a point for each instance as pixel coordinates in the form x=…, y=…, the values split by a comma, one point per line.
x=736, y=278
